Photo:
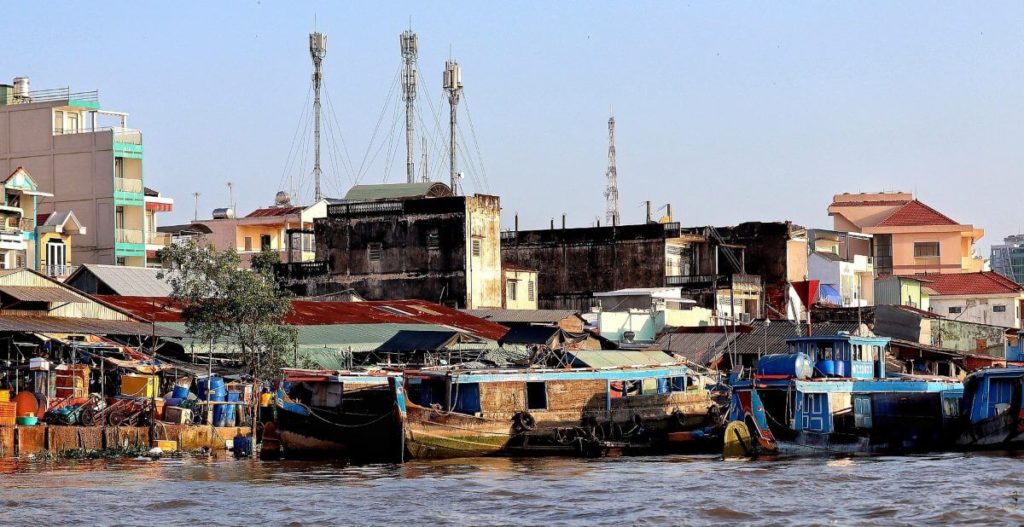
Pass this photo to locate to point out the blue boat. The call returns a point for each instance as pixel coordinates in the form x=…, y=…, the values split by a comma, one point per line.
x=832, y=395
x=992, y=416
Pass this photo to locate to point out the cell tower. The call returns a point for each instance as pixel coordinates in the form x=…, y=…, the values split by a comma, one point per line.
x=611, y=192
x=317, y=50
x=410, y=50
x=453, y=85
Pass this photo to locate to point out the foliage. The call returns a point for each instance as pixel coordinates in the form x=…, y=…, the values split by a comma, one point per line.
x=236, y=308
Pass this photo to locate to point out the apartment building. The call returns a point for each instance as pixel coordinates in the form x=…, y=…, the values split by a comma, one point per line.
x=909, y=236
x=91, y=162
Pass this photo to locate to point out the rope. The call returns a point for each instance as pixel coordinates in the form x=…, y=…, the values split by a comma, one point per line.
x=339, y=425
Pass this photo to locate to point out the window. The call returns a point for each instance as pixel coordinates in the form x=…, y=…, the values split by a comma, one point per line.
x=58, y=122
x=998, y=309
x=374, y=251
x=862, y=411
x=926, y=249
x=955, y=310
x=510, y=289
x=72, y=122
x=536, y=396
x=531, y=295
x=433, y=240
x=951, y=407
x=264, y=242
x=248, y=243
x=476, y=247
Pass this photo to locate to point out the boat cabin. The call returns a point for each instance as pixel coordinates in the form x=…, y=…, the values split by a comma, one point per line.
x=843, y=355
x=993, y=392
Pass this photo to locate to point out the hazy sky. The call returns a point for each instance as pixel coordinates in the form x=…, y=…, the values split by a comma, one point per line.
x=730, y=111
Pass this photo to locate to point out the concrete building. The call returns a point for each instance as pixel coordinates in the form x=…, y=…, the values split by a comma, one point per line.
x=909, y=236
x=518, y=288
x=281, y=228
x=1008, y=258
x=894, y=290
x=54, y=233
x=635, y=317
x=984, y=298
x=575, y=263
x=88, y=159
x=842, y=263
x=18, y=243
x=414, y=241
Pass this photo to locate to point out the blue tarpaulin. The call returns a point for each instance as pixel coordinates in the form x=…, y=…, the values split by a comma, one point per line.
x=829, y=294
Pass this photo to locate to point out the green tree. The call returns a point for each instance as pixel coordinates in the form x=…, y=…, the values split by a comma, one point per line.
x=239, y=309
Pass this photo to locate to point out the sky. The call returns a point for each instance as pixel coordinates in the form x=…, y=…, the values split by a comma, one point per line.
x=730, y=111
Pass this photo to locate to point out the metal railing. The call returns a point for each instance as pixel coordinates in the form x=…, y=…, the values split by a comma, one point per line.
x=707, y=281
x=59, y=94
x=300, y=270
x=128, y=236
x=128, y=185
x=158, y=238
x=59, y=270
x=120, y=134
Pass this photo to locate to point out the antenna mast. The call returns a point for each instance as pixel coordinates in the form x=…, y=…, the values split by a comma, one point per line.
x=317, y=50
x=423, y=167
x=410, y=50
x=453, y=85
x=611, y=192
x=196, y=195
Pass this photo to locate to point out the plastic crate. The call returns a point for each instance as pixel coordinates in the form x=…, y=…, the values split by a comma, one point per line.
x=8, y=413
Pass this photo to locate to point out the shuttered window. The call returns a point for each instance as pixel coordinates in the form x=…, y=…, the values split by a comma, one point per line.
x=374, y=252
x=926, y=249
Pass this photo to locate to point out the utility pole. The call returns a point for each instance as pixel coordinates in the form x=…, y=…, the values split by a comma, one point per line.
x=410, y=50
x=453, y=85
x=424, y=175
x=196, y=216
x=317, y=50
x=231, y=195
x=611, y=192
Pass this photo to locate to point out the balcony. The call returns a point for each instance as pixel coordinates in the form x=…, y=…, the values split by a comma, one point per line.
x=57, y=271
x=300, y=270
x=133, y=186
x=163, y=239
x=722, y=281
x=129, y=236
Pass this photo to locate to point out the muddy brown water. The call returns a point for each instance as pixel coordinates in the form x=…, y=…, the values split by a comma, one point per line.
x=679, y=490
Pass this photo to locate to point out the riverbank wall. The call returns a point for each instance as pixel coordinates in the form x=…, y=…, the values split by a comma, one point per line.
x=21, y=441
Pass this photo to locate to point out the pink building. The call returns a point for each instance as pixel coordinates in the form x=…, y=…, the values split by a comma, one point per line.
x=909, y=236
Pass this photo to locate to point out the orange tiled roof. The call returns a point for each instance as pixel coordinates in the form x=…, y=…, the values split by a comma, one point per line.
x=915, y=213
x=983, y=283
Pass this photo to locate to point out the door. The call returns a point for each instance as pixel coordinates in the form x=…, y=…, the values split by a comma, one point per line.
x=56, y=257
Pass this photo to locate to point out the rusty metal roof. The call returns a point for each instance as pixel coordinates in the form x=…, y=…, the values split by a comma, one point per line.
x=310, y=313
x=82, y=326
x=26, y=293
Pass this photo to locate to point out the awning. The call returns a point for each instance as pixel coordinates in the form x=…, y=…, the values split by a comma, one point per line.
x=27, y=293
x=83, y=326
x=619, y=358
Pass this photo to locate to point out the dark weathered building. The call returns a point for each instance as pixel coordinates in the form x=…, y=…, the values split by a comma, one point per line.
x=573, y=264
x=443, y=249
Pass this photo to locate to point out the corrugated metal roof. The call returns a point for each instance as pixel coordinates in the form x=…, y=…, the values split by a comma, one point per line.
x=127, y=281
x=530, y=335
x=397, y=190
x=620, y=359
x=419, y=340
x=275, y=211
x=84, y=326
x=308, y=313
x=525, y=316
x=26, y=293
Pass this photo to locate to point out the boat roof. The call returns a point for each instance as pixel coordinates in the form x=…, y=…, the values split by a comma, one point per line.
x=562, y=374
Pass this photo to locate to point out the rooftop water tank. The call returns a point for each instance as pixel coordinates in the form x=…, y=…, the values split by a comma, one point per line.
x=282, y=199
x=21, y=87
x=225, y=213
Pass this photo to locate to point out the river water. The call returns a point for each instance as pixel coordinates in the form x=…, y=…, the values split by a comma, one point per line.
x=948, y=488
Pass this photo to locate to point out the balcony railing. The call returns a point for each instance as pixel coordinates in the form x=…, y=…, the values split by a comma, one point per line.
x=707, y=281
x=127, y=135
x=59, y=270
x=128, y=185
x=158, y=238
x=129, y=236
x=27, y=224
x=300, y=270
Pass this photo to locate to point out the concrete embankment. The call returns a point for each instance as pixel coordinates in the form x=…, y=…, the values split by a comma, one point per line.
x=20, y=441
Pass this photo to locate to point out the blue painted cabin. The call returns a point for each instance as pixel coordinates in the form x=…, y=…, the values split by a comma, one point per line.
x=992, y=409
x=848, y=404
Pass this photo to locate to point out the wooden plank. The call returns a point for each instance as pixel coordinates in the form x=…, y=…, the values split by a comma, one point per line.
x=6, y=441
x=30, y=439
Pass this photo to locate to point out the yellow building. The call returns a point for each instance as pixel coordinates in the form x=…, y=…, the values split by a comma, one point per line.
x=54, y=248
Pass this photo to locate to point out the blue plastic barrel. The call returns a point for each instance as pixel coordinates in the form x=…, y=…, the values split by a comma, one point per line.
x=840, y=368
x=797, y=365
x=214, y=384
x=229, y=410
x=180, y=392
x=173, y=401
x=827, y=368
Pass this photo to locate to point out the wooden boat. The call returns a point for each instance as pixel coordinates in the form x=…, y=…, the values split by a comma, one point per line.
x=804, y=402
x=993, y=417
x=455, y=412
x=341, y=414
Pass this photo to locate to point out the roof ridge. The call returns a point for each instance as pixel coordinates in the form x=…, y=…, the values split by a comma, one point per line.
x=914, y=202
